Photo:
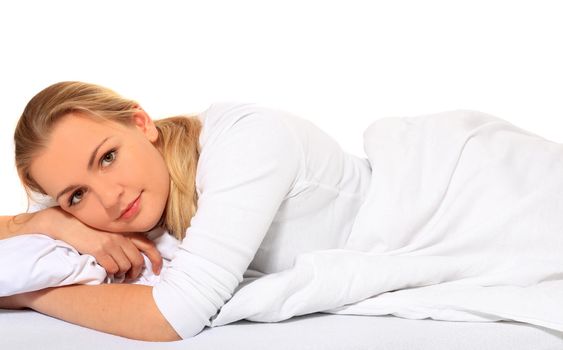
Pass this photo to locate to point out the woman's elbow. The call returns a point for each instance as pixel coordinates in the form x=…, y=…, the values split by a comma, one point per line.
x=159, y=333
x=153, y=326
x=164, y=337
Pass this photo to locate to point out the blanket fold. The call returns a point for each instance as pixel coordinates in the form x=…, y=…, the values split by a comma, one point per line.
x=35, y=261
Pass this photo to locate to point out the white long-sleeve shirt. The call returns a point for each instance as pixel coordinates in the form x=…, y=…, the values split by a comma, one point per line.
x=271, y=185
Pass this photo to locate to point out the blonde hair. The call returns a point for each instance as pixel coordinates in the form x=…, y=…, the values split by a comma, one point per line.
x=178, y=141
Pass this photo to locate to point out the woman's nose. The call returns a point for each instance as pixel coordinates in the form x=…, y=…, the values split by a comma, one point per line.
x=109, y=195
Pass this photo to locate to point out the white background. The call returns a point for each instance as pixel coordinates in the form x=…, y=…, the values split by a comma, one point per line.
x=341, y=64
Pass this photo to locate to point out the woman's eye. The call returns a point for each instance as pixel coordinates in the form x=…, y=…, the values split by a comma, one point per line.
x=108, y=157
x=76, y=195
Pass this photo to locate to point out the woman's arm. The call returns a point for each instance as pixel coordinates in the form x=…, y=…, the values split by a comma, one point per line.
x=127, y=310
x=121, y=309
x=11, y=226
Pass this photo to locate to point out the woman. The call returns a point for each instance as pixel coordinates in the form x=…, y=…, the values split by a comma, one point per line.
x=245, y=188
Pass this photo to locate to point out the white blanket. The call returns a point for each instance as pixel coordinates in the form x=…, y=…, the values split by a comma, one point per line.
x=463, y=222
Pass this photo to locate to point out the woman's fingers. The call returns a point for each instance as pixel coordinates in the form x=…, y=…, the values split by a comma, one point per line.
x=108, y=263
x=149, y=249
x=117, y=255
x=135, y=259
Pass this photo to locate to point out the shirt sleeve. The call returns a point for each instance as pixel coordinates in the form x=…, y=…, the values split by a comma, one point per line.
x=243, y=176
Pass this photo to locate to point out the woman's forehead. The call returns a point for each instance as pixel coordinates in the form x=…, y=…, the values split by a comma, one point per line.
x=74, y=136
x=77, y=123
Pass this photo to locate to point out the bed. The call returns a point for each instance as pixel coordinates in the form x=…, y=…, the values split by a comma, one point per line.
x=26, y=329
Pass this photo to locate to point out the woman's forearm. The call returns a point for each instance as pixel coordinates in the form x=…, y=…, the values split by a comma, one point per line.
x=25, y=223
x=126, y=310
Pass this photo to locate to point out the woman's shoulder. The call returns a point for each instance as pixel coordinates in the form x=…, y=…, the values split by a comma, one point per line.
x=244, y=142
x=228, y=113
x=234, y=119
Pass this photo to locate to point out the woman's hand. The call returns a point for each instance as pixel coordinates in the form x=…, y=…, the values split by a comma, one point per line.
x=118, y=253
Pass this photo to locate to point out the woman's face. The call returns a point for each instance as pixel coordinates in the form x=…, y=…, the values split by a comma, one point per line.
x=96, y=169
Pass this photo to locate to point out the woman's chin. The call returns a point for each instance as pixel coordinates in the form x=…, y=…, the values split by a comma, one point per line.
x=143, y=220
x=139, y=225
x=147, y=223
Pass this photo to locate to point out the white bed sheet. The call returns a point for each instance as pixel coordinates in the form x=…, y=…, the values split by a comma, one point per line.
x=26, y=329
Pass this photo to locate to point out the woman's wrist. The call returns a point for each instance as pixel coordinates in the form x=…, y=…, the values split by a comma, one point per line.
x=37, y=222
x=24, y=300
x=42, y=222
x=25, y=223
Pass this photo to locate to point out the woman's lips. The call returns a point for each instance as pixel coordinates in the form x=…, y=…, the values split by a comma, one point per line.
x=132, y=209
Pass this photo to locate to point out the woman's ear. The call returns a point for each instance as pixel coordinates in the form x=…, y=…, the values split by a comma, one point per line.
x=145, y=124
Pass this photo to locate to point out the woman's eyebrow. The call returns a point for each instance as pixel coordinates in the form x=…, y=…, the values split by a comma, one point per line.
x=90, y=164
x=68, y=188
x=93, y=156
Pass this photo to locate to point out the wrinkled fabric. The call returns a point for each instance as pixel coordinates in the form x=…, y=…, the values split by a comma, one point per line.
x=270, y=186
x=462, y=222
x=35, y=261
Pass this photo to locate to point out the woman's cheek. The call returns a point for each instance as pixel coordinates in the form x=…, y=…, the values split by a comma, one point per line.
x=93, y=218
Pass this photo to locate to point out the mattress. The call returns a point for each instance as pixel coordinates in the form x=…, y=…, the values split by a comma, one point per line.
x=27, y=329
